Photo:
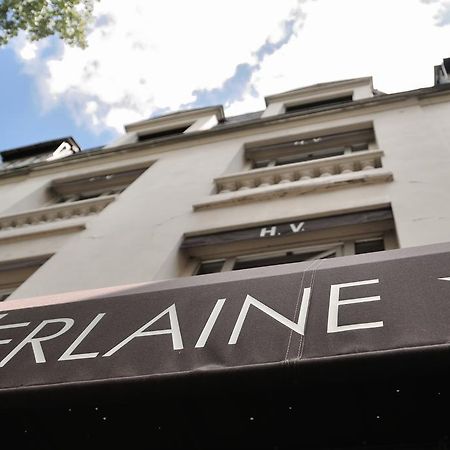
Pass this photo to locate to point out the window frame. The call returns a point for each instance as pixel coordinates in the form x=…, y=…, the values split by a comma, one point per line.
x=342, y=140
x=15, y=272
x=5, y=293
x=96, y=184
x=163, y=133
x=230, y=262
x=342, y=247
x=316, y=103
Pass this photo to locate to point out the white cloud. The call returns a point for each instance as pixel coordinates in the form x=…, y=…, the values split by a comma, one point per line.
x=248, y=103
x=118, y=117
x=396, y=42
x=144, y=57
x=91, y=107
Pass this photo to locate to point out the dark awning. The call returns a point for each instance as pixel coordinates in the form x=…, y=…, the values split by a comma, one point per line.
x=332, y=309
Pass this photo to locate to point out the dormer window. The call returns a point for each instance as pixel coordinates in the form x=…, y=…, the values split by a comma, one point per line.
x=37, y=153
x=326, y=96
x=161, y=129
x=442, y=72
x=307, y=106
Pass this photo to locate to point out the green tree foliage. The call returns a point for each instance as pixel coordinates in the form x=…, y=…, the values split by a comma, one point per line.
x=41, y=18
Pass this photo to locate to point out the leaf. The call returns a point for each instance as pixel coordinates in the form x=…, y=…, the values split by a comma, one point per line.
x=67, y=19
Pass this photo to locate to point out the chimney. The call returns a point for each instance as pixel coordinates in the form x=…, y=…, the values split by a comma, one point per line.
x=442, y=72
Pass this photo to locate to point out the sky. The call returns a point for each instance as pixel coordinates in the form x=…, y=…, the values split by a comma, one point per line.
x=148, y=58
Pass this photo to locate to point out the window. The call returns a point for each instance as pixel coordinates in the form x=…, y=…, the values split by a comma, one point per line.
x=309, y=148
x=309, y=155
x=5, y=293
x=72, y=197
x=268, y=259
x=14, y=273
x=38, y=153
x=162, y=134
x=263, y=259
x=298, y=165
x=98, y=184
x=289, y=242
x=369, y=246
x=335, y=101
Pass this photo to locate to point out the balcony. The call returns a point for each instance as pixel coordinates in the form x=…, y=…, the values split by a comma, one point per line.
x=363, y=167
x=54, y=213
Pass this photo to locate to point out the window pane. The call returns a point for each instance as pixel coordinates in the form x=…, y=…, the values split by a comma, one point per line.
x=163, y=133
x=319, y=104
x=96, y=185
x=309, y=156
x=375, y=245
x=210, y=267
x=289, y=257
x=260, y=164
x=360, y=147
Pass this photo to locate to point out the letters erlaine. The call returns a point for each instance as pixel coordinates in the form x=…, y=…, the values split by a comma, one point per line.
x=36, y=341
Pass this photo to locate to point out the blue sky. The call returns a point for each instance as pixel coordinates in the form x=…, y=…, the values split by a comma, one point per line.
x=22, y=118
x=144, y=60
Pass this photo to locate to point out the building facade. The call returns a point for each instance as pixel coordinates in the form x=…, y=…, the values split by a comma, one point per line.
x=328, y=170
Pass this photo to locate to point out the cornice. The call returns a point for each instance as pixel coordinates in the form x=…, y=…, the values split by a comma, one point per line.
x=431, y=93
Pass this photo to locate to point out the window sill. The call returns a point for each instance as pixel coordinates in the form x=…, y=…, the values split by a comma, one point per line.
x=54, y=213
x=333, y=165
x=299, y=187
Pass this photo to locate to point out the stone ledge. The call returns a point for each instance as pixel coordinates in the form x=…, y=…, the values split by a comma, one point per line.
x=293, y=188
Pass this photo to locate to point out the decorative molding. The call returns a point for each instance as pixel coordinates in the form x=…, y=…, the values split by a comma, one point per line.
x=334, y=165
x=298, y=187
x=55, y=213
